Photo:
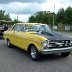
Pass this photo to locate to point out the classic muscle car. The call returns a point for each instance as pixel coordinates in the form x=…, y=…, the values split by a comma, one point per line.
x=37, y=38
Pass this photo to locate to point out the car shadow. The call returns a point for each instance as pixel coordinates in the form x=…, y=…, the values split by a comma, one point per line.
x=51, y=57
x=1, y=38
x=48, y=57
x=19, y=50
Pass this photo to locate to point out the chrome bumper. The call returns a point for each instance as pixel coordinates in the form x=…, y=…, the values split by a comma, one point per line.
x=56, y=50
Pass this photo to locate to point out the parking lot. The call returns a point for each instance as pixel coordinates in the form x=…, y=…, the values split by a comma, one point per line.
x=16, y=60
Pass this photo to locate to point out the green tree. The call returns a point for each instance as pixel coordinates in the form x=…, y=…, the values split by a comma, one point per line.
x=16, y=21
x=42, y=17
x=4, y=16
x=7, y=17
x=32, y=19
x=68, y=15
x=61, y=16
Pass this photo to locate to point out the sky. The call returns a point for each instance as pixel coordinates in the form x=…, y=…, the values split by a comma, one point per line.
x=26, y=8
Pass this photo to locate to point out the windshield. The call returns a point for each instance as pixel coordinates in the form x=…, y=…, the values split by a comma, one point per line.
x=37, y=28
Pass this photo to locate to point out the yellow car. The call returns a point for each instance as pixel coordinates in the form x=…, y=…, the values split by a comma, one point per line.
x=37, y=38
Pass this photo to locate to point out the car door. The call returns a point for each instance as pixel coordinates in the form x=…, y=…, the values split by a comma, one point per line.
x=11, y=34
x=19, y=36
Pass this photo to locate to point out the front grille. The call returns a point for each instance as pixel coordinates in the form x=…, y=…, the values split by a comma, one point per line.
x=59, y=44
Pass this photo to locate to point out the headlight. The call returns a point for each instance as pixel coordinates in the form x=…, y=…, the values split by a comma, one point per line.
x=45, y=43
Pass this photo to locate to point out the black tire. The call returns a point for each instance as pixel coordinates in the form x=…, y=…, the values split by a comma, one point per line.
x=0, y=36
x=65, y=54
x=9, y=43
x=34, y=53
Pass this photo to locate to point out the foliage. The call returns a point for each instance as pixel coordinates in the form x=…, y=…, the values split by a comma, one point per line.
x=5, y=18
x=61, y=17
x=68, y=13
x=42, y=17
x=16, y=21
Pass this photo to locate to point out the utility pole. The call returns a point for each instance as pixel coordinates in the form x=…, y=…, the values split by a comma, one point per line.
x=53, y=17
x=17, y=16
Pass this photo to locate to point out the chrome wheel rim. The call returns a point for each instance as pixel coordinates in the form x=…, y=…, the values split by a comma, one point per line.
x=33, y=53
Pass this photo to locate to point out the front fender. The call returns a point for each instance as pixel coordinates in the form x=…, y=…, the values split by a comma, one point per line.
x=37, y=41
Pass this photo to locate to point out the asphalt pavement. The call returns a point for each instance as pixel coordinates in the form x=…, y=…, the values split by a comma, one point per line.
x=16, y=60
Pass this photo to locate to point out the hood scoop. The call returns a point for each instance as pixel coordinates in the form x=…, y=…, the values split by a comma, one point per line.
x=47, y=33
x=52, y=35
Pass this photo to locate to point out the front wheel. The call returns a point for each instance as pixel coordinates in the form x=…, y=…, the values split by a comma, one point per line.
x=34, y=53
x=65, y=54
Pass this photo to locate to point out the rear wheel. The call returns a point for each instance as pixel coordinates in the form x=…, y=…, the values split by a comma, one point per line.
x=34, y=53
x=8, y=43
x=1, y=36
x=65, y=54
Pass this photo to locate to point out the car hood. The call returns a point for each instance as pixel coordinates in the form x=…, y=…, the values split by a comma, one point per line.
x=52, y=35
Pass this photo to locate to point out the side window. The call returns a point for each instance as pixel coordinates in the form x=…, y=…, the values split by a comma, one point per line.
x=18, y=28
x=14, y=28
x=21, y=28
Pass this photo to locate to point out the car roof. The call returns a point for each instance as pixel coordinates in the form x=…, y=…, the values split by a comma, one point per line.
x=32, y=23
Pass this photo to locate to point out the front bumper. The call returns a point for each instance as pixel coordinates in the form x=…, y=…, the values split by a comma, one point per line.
x=56, y=50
